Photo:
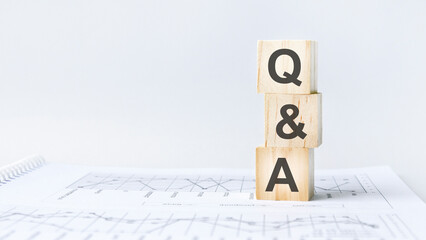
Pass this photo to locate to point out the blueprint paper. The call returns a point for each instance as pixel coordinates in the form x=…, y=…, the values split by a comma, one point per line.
x=115, y=203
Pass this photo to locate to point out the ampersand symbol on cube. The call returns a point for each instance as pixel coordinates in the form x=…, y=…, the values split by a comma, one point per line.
x=289, y=119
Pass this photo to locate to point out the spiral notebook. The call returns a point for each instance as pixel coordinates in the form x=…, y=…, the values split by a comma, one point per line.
x=44, y=200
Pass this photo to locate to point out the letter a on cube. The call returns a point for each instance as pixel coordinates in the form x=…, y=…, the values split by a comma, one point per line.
x=284, y=173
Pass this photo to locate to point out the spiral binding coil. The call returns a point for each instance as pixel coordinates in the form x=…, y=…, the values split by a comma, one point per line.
x=22, y=167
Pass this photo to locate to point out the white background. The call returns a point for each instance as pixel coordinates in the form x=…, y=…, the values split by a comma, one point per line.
x=173, y=83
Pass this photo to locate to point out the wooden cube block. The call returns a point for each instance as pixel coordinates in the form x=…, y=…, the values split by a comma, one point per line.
x=284, y=173
x=293, y=120
x=287, y=66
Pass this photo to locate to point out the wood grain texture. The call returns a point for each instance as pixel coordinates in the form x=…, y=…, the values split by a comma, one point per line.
x=310, y=113
x=301, y=164
x=307, y=52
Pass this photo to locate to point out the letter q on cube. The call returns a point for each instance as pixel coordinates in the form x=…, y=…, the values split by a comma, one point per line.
x=280, y=60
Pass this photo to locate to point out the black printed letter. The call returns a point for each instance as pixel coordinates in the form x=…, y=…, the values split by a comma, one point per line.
x=288, y=77
x=281, y=163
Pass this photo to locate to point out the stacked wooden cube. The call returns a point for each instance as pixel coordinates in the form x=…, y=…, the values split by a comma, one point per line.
x=287, y=75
